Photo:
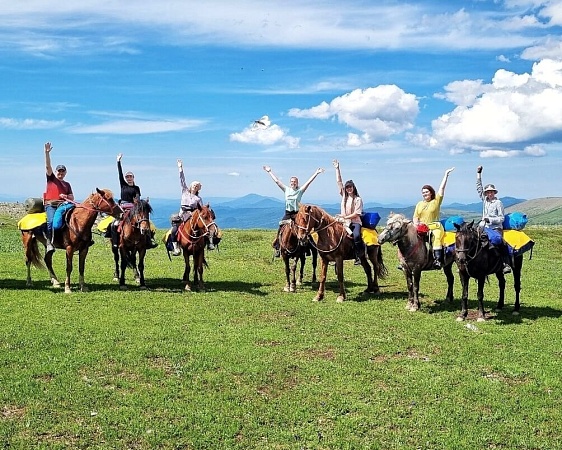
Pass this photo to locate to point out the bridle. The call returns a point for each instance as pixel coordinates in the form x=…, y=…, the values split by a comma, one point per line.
x=194, y=221
x=322, y=225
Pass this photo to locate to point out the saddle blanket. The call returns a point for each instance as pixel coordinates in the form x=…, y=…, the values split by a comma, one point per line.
x=104, y=223
x=518, y=242
x=31, y=221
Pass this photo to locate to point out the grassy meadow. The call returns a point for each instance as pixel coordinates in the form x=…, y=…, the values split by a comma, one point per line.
x=246, y=366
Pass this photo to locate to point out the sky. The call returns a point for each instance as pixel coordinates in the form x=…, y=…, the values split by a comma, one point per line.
x=397, y=91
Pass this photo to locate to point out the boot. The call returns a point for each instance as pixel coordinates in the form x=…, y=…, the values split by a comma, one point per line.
x=506, y=258
x=359, y=253
x=50, y=247
x=437, y=255
x=151, y=243
x=177, y=250
x=210, y=245
x=114, y=235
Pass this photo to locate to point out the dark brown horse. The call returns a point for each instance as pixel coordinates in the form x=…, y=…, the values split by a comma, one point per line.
x=76, y=236
x=192, y=237
x=334, y=244
x=133, y=239
x=476, y=258
x=293, y=253
x=415, y=256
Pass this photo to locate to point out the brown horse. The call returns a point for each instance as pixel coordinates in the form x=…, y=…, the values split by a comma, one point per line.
x=192, y=237
x=133, y=239
x=293, y=253
x=334, y=244
x=476, y=258
x=415, y=256
x=76, y=236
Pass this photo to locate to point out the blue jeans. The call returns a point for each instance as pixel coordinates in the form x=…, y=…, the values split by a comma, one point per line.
x=50, y=211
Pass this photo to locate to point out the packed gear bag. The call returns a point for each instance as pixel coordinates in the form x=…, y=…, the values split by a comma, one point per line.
x=34, y=205
x=515, y=221
x=370, y=220
x=58, y=218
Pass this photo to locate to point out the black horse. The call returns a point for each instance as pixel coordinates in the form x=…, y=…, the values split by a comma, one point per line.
x=477, y=258
x=293, y=253
x=134, y=237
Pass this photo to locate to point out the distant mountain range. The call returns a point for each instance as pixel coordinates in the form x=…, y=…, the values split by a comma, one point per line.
x=256, y=211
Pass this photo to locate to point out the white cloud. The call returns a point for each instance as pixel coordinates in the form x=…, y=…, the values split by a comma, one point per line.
x=378, y=112
x=271, y=135
x=463, y=93
x=551, y=48
x=233, y=174
x=136, y=127
x=514, y=110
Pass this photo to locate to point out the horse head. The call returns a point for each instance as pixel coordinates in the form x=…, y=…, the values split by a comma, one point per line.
x=466, y=239
x=102, y=201
x=396, y=228
x=139, y=216
x=306, y=220
x=203, y=220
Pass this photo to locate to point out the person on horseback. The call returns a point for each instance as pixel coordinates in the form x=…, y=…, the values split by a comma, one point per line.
x=129, y=191
x=190, y=201
x=351, y=210
x=56, y=192
x=293, y=195
x=492, y=214
x=428, y=211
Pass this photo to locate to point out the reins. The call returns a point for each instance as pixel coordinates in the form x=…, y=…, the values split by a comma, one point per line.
x=308, y=229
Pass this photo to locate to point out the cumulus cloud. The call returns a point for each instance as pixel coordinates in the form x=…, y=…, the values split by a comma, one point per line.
x=551, y=48
x=514, y=110
x=376, y=112
x=272, y=135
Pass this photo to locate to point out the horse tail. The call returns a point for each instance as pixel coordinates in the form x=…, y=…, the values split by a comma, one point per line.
x=32, y=253
x=130, y=259
x=382, y=271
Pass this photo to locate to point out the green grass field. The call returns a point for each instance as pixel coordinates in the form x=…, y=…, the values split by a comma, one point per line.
x=246, y=366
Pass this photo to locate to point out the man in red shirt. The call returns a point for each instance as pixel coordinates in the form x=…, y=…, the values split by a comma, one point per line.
x=56, y=193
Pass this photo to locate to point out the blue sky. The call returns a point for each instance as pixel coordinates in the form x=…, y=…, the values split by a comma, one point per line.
x=397, y=91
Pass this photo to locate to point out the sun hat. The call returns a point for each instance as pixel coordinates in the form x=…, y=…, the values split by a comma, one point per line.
x=194, y=184
x=61, y=167
x=490, y=187
x=130, y=173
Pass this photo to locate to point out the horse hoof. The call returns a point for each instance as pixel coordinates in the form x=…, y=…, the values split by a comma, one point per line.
x=286, y=289
x=187, y=288
x=481, y=319
x=460, y=319
x=317, y=299
x=67, y=291
x=55, y=283
x=340, y=299
x=137, y=281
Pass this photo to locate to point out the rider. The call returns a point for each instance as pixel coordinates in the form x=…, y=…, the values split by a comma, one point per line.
x=428, y=211
x=492, y=213
x=293, y=195
x=351, y=210
x=56, y=192
x=190, y=201
x=129, y=191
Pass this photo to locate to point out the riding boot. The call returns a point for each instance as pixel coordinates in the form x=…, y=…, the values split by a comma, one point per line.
x=359, y=253
x=150, y=242
x=114, y=235
x=506, y=259
x=437, y=255
x=177, y=250
x=275, y=245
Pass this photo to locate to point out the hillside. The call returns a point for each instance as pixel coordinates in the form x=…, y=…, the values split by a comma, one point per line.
x=541, y=211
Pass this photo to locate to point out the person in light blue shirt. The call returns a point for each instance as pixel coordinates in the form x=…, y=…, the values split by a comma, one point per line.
x=293, y=194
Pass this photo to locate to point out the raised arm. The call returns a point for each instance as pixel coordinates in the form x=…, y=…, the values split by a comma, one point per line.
x=183, y=184
x=274, y=178
x=339, y=181
x=48, y=167
x=441, y=190
x=311, y=179
x=122, y=181
x=479, y=187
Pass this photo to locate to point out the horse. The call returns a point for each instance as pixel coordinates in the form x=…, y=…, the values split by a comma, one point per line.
x=192, y=236
x=293, y=253
x=334, y=244
x=415, y=256
x=475, y=258
x=133, y=236
x=75, y=236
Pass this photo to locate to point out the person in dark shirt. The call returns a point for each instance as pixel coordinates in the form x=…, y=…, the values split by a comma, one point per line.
x=129, y=191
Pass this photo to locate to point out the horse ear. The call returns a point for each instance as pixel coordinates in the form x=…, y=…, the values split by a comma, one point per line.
x=471, y=224
x=99, y=191
x=457, y=226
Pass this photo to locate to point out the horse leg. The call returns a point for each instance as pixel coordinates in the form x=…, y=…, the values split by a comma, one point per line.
x=302, y=259
x=287, y=272
x=465, y=280
x=115, y=251
x=293, y=271
x=69, y=264
x=518, y=264
x=339, y=270
x=314, y=263
x=322, y=283
x=123, y=254
x=82, y=268
x=49, y=263
x=187, y=270
x=448, y=270
x=198, y=270
x=480, y=296
x=501, y=285
x=140, y=272
x=136, y=273
x=28, y=241
x=372, y=282
x=416, y=304
x=410, y=286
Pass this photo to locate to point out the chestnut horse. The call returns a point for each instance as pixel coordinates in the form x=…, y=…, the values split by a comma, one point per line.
x=133, y=238
x=192, y=237
x=475, y=258
x=293, y=253
x=76, y=236
x=415, y=256
x=334, y=244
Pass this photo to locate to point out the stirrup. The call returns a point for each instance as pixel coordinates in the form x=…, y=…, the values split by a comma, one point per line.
x=506, y=268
